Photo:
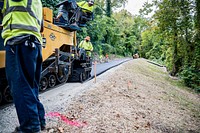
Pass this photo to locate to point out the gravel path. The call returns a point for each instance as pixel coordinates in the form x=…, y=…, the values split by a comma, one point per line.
x=134, y=97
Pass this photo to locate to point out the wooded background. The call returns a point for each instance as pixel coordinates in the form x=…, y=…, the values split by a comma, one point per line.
x=170, y=37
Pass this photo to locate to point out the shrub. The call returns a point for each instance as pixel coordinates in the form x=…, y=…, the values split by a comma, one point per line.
x=191, y=78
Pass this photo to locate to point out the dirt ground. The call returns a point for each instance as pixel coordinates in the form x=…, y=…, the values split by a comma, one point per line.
x=136, y=96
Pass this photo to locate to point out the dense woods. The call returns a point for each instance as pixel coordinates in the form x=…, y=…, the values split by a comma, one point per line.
x=170, y=37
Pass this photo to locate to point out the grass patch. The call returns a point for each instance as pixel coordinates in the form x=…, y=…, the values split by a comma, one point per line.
x=188, y=104
x=156, y=69
x=177, y=82
x=184, y=102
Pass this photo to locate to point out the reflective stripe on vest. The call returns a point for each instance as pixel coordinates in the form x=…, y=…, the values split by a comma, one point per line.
x=19, y=26
x=21, y=9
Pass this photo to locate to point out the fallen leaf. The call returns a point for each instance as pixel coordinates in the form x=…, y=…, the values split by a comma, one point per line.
x=61, y=130
x=147, y=125
x=118, y=116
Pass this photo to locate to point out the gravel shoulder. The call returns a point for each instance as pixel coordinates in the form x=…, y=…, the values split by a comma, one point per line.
x=134, y=97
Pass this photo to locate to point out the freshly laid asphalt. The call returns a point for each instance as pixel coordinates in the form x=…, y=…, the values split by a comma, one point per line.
x=103, y=67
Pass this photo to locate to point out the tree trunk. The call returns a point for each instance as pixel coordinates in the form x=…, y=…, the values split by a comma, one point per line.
x=175, y=55
x=108, y=8
x=197, y=48
x=175, y=42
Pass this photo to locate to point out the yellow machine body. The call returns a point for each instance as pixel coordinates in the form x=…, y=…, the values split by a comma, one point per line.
x=55, y=37
x=61, y=63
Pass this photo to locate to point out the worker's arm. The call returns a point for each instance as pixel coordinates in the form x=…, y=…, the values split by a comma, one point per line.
x=80, y=44
x=91, y=47
x=60, y=12
x=59, y=15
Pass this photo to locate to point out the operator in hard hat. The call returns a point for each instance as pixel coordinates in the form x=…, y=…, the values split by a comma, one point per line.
x=22, y=24
x=87, y=45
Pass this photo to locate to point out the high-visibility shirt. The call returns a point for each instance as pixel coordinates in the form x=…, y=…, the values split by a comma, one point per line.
x=84, y=5
x=87, y=46
x=24, y=17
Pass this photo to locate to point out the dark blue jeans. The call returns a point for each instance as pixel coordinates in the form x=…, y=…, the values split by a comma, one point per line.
x=23, y=68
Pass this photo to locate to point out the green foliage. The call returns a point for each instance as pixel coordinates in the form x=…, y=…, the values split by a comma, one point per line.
x=106, y=33
x=51, y=4
x=107, y=49
x=191, y=78
x=117, y=35
x=173, y=37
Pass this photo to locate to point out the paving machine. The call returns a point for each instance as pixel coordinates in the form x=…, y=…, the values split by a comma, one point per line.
x=61, y=59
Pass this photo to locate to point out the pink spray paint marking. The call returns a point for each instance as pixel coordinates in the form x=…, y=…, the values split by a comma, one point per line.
x=66, y=120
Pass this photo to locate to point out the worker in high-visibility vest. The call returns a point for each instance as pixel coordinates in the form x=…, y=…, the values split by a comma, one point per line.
x=22, y=24
x=86, y=6
x=65, y=9
x=87, y=45
x=77, y=11
x=85, y=13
